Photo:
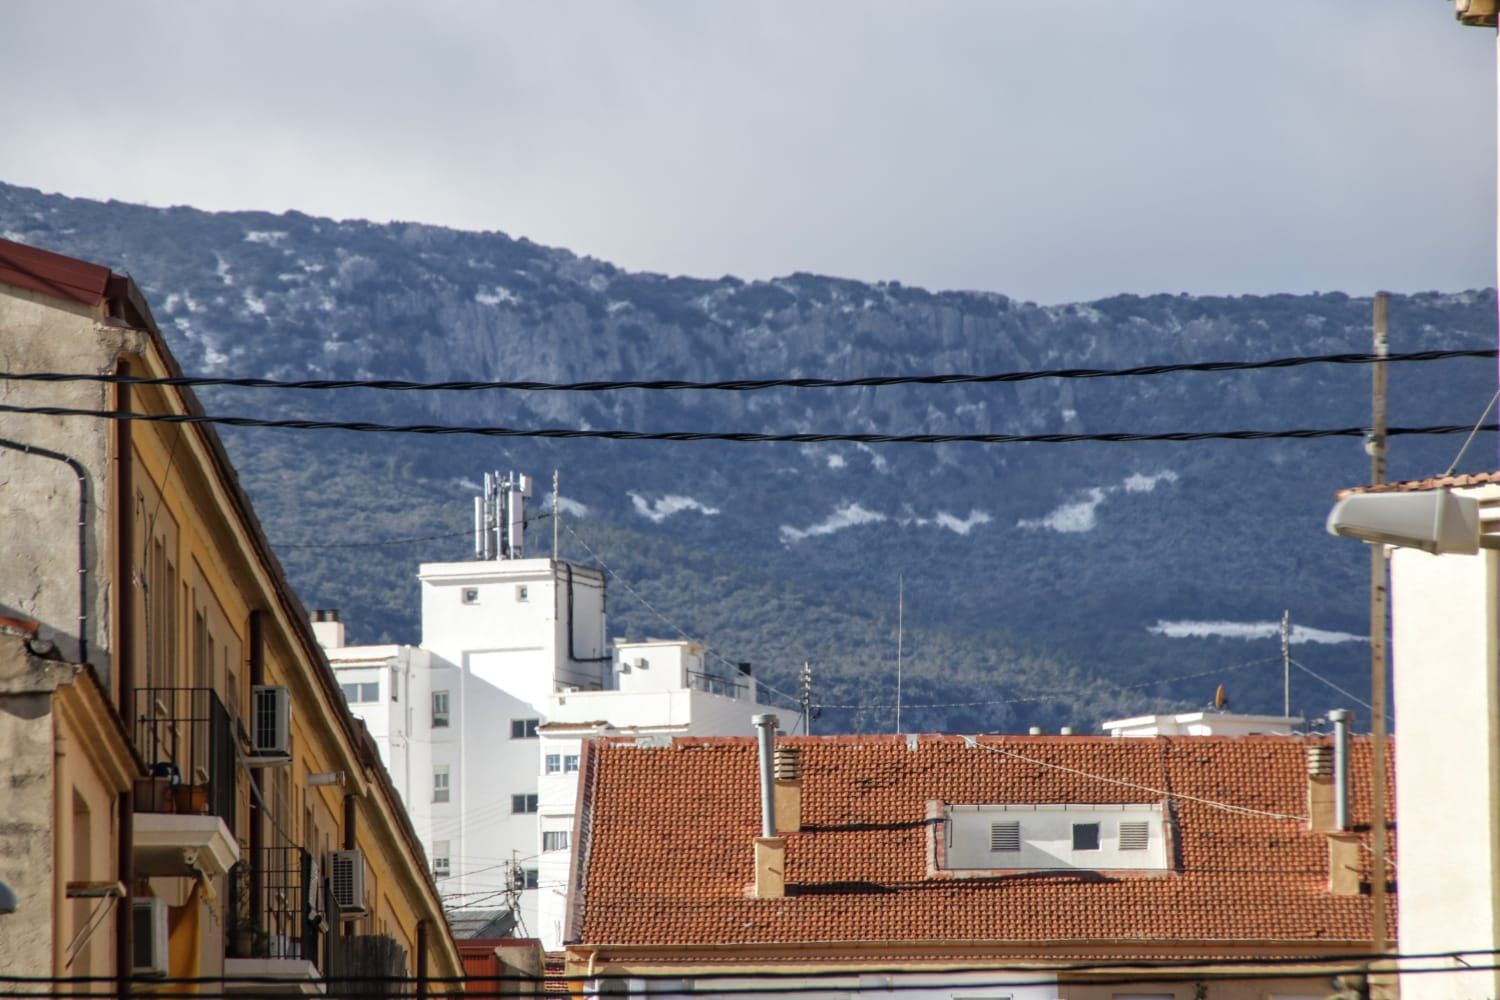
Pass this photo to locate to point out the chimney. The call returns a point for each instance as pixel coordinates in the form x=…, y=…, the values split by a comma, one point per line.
x=1034, y=731
x=327, y=628
x=770, y=850
x=1344, y=863
x=787, y=764
x=1065, y=731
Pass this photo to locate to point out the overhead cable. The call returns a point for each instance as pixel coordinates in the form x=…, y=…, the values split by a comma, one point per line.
x=738, y=436
x=747, y=384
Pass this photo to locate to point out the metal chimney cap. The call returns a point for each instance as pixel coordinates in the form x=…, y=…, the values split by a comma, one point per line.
x=1340, y=715
x=764, y=720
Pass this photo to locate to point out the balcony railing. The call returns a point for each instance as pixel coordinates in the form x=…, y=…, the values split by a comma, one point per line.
x=277, y=906
x=714, y=684
x=187, y=739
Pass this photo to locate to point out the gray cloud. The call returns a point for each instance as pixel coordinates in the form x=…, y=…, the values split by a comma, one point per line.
x=1019, y=147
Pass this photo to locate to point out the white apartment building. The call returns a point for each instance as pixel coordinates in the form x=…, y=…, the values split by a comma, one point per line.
x=467, y=723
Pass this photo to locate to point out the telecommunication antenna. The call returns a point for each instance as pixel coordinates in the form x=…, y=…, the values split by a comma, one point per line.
x=807, y=710
x=900, y=637
x=1286, y=664
x=500, y=517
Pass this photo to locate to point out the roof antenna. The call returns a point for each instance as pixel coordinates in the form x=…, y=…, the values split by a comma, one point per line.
x=1221, y=700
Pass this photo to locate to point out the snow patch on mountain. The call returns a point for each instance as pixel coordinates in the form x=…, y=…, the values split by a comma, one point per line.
x=848, y=515
x=1248, y=630
x=1082, y=514
x=660, y=509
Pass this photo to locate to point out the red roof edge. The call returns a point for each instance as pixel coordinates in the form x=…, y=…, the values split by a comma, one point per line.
x=53, y=274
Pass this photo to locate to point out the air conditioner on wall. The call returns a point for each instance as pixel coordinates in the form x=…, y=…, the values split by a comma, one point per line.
x=346, y=883
x=271, y=722
x=148, y=936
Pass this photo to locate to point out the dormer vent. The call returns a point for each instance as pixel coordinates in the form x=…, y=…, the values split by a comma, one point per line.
x=1005, y=836
x=788, y=763
x=1320, y=761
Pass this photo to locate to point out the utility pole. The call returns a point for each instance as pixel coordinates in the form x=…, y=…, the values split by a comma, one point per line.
x=807, y=714
x=1378, y=615
x=1286, y=664
x=556, y=512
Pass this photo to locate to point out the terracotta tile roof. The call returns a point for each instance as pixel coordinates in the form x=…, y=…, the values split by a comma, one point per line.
x=667, y=846
x=1431, y=483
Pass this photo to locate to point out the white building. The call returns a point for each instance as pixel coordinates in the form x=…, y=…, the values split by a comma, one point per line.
x=508, y=646
x=662, y=688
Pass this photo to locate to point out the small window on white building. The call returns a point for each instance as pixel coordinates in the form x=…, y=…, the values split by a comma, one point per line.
x=523, y=803
x=440, y=859
x=522, y=592
x=440, y=783
x=1085, y=836
x=554, y=763
x=554, y=840
x=570, y=764
x=527, y=878
x=1005, y=836
x=523, y=729
x=439, y=709
x=471, y=595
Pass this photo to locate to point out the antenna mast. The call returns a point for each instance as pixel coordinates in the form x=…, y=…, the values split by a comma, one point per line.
x=556, y=511
x=900, y=637
x=1286, y=664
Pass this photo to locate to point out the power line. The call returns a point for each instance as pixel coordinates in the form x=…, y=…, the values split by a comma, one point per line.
x=740, y=436
x=747, y=385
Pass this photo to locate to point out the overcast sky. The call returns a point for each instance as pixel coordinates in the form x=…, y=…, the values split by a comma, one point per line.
x=1051, y=151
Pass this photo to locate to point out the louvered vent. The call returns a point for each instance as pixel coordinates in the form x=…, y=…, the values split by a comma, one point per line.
x=1005, y=836
x=1134, y=836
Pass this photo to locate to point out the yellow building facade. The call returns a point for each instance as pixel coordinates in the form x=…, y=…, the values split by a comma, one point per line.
x=238, y=821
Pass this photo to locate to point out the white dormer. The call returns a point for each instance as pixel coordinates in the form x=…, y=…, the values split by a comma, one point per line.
x=1123, y=837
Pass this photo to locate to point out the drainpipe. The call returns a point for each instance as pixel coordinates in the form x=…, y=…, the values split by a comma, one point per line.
x=770, y=850
x=1340, y=719
x=766, y=724
x=83, y=535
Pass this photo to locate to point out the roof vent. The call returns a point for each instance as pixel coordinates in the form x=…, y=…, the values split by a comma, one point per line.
x=787, y=763
x=1319, y=760
x=1005, y=836
x=1034, y=731
x=1134, y=835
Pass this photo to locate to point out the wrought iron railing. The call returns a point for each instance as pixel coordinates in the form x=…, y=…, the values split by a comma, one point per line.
x=714, y=684
x=187, y=739
x=277, y=901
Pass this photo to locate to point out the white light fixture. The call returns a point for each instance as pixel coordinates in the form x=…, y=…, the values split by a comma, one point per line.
x=1437, y=521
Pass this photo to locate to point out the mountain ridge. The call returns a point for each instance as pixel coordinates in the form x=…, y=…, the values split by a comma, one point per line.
x=1023, y=563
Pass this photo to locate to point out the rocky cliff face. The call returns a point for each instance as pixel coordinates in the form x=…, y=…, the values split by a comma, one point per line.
x=1034, y=574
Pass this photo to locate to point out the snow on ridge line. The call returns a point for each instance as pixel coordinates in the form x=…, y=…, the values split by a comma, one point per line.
x=1248, y=630
x=847, y=516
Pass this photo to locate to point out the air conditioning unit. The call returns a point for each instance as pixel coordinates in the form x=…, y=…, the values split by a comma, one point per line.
x=271, y=721
x=148, y=936
x=346, y=883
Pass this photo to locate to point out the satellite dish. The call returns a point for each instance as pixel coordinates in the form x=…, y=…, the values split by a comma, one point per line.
x=1221, y=700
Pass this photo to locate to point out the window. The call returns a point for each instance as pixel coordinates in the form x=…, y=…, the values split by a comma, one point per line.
x=1085, y=836
x=570, y=764
x=440, y=859
x=1005, y=836
x=522, y=803
x=361, y=692
x=522, y=593
x=440, y=783
x=554, y=840
x=554, y=763
x=527, y=877
x=439, y=709
x=395, y=683
x=1135, y=836
x=523, y=729
x=471, y=595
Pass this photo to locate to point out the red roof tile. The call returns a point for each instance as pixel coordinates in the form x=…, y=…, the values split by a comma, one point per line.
x=667, y=842
x=1431, y=483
